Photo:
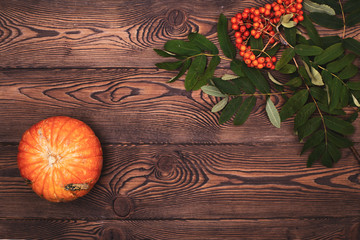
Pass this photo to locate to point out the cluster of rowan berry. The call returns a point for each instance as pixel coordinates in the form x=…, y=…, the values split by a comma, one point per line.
x=262, y=22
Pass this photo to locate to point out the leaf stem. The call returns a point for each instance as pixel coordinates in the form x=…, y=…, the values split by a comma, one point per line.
x=261, y=94
x=343, y=18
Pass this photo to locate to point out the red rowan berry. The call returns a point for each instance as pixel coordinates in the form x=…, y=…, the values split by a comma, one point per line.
x=260, y=66
x=261, y=60
x=234, y=20
x=252, y=57
x=300, y=18
x=273, y=59
x=235, y=26
x=237, y=34
x=255, y=62
x=247, y=61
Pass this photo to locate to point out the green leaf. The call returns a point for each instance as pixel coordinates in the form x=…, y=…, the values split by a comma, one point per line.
x=274, y=80
x=304, y=114
x=301, y=39
x=319, y=94
x=182, y=71
x=330, y=54
x=338, y=140
x=335, y=90
x=294, y=104
x=182, y=48
x=306, y=50
x=286, y=56
x=220, y=105
x=256, y=44
x=320, y=8
x=272, y=51
x=230, y=109
x=245, y=110
x=349, y=71
x=311, y=30
x=354, y=85
x=227, y=77
x=294, y=82
x=288, y=69
x=352, y=45
x=313, y=141
x=314, y=75
x=327, y=20
x=169, y=65
x=290, y=35
x=209, y=73
x=325, y=108
x=326, y=159
x=212, y=91
x=330, y=40
x=235, y=66
x=334, y=152
x=339, y=125
x=290, y=24
x=316, y=154
x=163, y=53
x=195, y=71
x=356, y=102
x=340, y=64
x=224, y=40
x=303, y=73
x=286, y=18
x=203, y=43
x=226, y=86
x=273, y=113
x=353, y=18
x=352, y=117
x=256, y=78
x=245, y=85
x=350, y=5
x=309, y=127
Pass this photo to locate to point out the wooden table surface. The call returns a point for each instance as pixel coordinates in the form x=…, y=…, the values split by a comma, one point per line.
x=170, y=171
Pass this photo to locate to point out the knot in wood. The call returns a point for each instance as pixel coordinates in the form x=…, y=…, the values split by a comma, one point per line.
x=122, y=206
x=165, y=164
x=113, y=233
x=176, y=18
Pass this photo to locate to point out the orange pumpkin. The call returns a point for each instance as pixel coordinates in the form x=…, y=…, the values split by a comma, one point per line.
x=61, y=158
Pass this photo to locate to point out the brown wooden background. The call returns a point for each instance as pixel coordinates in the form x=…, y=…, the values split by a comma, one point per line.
x=170, y=171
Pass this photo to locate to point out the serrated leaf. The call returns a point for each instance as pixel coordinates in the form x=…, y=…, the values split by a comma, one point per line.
x=256, y=44
x=212, y=91
x=316, y=154
x=245, y=110
x=325, y=108
x=356, y=102
x=203, y=43
x=245, y=85
x=335, y=89
x=256, y=78
x=208, y=74
x=273, y=79
x=309, y=127
x=330, y=40
x=330, y=54
x=235, y=66
x=272, y=51
x=220, y=105
x=353, y=18
x=195, y=71
x=294, y=82
x=339, y=125
x=182, y=48
x=348, y=72
x=230, y=109
x=326, y=159
x=288, y=69
x=319, y=94
x=306, y=50
x=321, y=8
x=354, y=85
x=353, y=45
x=334, y=152
x=294, y=104
x=182, y=71
x=163, y=53
x=224, y=40
x=311, y=30
x=226, y=87
x=326, y=20
x=286, y=56
x=304, y=114
x=227, y=77
x=169, y=65
x=290, y=35
x=273, y=113
x=338, y=140
x=341, y=63
x=313, y=141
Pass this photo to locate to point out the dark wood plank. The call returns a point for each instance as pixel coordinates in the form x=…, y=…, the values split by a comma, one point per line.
x=196, y=182
x=333, y=228
x=127, y=105
x=107, y=33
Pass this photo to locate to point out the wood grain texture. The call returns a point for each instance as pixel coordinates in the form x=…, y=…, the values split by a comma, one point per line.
x=196, y=182
x=128, y=105
x=58, y=34
x=321, y=229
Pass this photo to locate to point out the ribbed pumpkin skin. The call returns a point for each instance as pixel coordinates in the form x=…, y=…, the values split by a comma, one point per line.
x=61, y=158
